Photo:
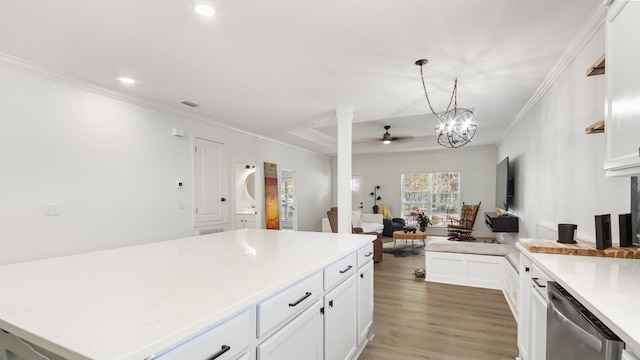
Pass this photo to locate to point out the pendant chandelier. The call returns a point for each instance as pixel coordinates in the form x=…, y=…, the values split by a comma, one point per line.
x=456, y=126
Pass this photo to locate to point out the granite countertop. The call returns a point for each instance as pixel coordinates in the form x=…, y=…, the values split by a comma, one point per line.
x=608, y=287
x=129, y=303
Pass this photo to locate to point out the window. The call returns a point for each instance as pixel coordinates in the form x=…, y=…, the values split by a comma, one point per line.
x=435, y=194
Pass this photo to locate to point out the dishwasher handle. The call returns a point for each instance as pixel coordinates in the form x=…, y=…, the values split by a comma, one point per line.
x=587, y=338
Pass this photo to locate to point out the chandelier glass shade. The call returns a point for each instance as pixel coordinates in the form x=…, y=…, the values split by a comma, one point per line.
x=456, y=126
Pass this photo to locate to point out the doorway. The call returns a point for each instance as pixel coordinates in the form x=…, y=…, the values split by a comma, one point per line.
x=245, y=196
x=357, y=192
x=288, y=216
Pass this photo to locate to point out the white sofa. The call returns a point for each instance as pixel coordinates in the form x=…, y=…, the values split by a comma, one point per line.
x=368, y=222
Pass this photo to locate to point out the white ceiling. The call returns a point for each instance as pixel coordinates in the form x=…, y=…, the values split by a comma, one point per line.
x=280, y=68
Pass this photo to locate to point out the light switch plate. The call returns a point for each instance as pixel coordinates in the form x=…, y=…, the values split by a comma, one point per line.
x=51, y=209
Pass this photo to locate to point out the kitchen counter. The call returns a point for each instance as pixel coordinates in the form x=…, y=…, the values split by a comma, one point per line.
x=129, y=303
x=608, y=287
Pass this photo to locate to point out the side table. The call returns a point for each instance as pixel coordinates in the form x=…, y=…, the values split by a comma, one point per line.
x=401, y=235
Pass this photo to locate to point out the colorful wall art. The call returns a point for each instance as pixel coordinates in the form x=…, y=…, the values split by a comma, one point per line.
x=271, y=196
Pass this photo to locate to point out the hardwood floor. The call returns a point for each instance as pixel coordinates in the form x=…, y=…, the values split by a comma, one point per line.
x=414, y=319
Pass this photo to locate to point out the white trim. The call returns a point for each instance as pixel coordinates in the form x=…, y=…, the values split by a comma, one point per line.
x=25, y=66
x=589, y=28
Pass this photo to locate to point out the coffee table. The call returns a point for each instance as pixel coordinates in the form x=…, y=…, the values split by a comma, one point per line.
x=406, y=236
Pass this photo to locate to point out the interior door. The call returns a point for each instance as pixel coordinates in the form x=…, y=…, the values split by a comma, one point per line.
x=209, y=182
x=288, y=217
x=357, y=192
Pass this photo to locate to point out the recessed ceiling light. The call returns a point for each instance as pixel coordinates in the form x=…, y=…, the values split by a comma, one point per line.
x=126, y=80
x=204, y=8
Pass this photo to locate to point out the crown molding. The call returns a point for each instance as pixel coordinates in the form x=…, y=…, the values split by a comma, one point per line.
x=589, y=28
x=41, y=71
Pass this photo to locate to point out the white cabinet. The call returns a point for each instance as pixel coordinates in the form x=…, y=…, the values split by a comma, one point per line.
x=337, y=324
x=524, y=307
x=301, y=338
x=365, y=301
x=622, y=110
x=285, y=305
x=532, y=311
x=340, y=309
x=223, y=342
x=538, y=326
x=245, y=221
x=510, y=282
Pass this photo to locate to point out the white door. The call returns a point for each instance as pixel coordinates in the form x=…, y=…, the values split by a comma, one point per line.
x=357, y=192
x=288, y=217
x=340, y=321
x=524, y=308
x=538, y=346
x=209, y=167
x=623, y=86
x=300, y=339
x=365, y=300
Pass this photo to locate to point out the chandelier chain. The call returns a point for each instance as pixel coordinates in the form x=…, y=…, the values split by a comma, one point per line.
x=426, y=95
x=454, y=95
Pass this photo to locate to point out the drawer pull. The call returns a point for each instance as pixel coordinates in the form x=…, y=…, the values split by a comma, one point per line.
x=224, y=349
x=368, y=254
x=535, y=280
x=345, y=270
x=306, y=295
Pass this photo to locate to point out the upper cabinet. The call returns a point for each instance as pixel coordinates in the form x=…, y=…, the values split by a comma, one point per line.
x=622, y=108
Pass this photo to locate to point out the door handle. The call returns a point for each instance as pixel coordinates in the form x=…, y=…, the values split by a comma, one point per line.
x=535, y=280
x=345, y=270
x=306, y=295
x=223, y=199
x=224, y=349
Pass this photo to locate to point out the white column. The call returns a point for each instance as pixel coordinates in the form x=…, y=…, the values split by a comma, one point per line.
x=345, y=120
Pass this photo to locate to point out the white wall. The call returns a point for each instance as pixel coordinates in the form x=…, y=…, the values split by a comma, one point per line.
x=111, y=166
x=558, y=169
x=477, y=166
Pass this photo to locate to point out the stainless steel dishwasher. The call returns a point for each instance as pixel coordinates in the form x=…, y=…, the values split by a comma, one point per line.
x=574, y=333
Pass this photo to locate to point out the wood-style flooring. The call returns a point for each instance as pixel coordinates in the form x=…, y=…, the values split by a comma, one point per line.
x=414, y=319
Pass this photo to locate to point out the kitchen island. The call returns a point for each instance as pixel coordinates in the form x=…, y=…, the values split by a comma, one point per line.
x=136, y=302
x=608, y=287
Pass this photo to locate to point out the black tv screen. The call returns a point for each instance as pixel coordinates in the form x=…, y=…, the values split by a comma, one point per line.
x=504, y=185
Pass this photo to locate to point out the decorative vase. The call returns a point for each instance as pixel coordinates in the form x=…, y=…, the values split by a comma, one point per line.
x=423, y=228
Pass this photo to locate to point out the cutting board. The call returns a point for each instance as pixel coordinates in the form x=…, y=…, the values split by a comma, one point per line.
x=583, y=248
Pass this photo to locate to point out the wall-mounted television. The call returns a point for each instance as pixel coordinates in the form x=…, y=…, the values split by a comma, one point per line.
x=504, y=185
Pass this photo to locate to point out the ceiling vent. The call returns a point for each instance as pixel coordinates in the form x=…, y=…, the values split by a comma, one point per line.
x=189, y=103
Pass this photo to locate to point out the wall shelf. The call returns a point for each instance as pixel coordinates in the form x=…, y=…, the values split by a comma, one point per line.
x=504, y=223
x=595, y=128
x=598, y=67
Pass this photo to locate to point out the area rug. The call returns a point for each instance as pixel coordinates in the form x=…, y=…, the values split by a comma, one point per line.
x=403, y=248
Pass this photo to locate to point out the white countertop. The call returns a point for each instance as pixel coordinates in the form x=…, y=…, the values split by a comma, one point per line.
x=608, y=287
x=132, y=302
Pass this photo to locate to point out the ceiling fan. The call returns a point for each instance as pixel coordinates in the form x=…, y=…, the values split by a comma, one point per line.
x=387, y=138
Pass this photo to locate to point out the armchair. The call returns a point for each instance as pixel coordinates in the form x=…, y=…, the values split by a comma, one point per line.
x=391, y=224
x=332, y=215
x=460, y=229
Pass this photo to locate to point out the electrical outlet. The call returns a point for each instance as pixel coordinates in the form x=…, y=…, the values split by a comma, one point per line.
x=51, y=209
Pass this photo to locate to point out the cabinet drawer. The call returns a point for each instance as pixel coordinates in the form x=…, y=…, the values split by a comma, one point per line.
x=365, y=255
x=288, y=303
x=221, y=342
x=340, y=270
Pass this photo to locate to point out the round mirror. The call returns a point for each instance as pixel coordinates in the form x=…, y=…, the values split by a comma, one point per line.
x=250, y=185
